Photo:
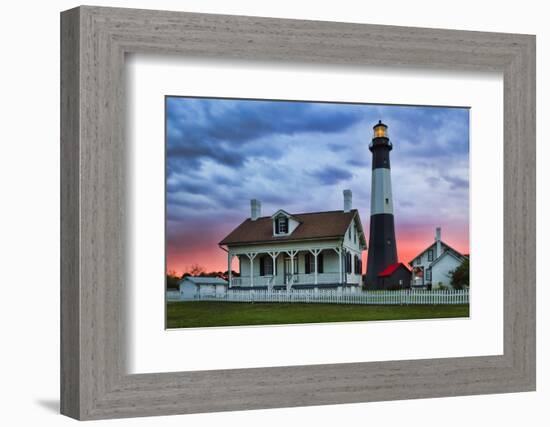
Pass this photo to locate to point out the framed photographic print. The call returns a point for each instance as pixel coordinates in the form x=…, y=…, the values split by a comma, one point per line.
x=302, y=212
x=305, y=158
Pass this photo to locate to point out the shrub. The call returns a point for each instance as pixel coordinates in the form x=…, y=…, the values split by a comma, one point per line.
x=460, y=276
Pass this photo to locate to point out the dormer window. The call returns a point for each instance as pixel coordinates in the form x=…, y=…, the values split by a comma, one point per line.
x=282, y=225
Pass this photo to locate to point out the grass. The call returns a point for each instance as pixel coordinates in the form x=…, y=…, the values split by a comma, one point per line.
x=195, y=314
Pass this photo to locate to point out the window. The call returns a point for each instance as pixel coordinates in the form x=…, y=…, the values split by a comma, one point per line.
x=354, y=235
x=349, y=232
x=387, y=201
x=428, y=275
x=418, y=261
x=310, y=263
x=430, y=255
x=348, y=262
x=282, y=225
x=266, y=266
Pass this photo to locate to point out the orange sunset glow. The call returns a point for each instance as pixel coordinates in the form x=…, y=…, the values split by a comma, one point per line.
x=411, y=241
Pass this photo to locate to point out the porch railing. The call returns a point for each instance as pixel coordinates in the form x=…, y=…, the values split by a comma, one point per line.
x=258, y=281
x=296, y=279
x=309, y=279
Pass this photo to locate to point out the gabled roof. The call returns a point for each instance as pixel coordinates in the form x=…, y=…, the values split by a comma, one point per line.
x=205, y=280
x=390, y=269
x=314, y=225
x=451, y=253
x=282, y=212
x=445, y=247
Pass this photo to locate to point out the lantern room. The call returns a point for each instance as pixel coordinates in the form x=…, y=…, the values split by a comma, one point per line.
x=380, y=137
x=380, y=130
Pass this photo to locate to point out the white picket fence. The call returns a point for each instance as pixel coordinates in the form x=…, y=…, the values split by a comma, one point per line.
x=330, y=296
x=173, y=296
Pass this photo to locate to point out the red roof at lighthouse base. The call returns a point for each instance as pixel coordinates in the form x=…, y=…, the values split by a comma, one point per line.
x=390, y=269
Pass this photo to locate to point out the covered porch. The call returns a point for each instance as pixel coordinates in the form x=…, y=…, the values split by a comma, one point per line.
x=420, y=276
x=295, y=268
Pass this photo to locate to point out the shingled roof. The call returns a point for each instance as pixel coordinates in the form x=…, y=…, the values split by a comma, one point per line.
x=314, y=225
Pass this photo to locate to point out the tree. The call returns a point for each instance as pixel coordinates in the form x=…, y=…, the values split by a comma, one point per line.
x=172, y=279
x=460, y=276
x=225, y=274
x=195, y=270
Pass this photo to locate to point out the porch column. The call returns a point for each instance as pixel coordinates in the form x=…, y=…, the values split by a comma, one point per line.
x=339, y=252
x=315, y=256
x=315, y=252
x=274, y=256
x=291, y=254
x=229, y=261
x=251, y=256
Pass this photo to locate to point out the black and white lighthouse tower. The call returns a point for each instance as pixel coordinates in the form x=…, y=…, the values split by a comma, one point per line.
x=382, y=246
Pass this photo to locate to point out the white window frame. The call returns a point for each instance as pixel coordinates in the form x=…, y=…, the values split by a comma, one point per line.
x=268, y=262
x=282, y=221
x=430, y=255
x=311, y=259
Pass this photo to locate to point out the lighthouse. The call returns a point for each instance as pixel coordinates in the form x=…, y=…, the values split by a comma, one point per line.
x=382, y=246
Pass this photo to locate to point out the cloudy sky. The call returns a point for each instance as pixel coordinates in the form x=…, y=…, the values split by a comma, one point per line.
x=300, y=156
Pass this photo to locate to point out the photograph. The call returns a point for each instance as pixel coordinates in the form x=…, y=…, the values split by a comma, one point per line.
x=292, y=212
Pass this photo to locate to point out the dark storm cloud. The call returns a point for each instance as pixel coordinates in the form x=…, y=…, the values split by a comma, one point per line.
x=429, y=132
x=240, y=127
x=187, y=150
x=456, y=182
x=361, y=162
x=332, y=175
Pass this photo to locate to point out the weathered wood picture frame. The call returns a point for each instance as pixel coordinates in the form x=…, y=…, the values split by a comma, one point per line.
x=94, y=382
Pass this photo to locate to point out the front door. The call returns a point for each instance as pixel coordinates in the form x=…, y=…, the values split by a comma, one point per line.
x=288, y=269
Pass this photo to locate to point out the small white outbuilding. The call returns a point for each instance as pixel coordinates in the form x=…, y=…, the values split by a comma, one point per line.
x=194, y=287
x=433, y=266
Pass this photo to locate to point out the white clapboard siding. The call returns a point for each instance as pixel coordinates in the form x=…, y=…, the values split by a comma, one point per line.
x=336, y=296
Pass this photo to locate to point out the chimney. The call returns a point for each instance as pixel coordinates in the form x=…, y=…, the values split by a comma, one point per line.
x=347, y=200
x=437, y=242
x=255, y=209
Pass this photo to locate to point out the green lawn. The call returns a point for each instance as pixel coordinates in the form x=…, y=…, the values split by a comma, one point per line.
x=194, y=314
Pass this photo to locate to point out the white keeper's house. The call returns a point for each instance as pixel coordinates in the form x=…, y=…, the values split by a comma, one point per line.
x=297, y=251
x=431, y=268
